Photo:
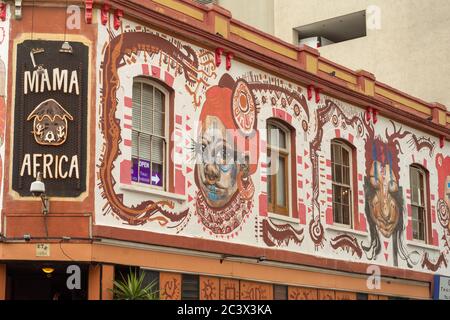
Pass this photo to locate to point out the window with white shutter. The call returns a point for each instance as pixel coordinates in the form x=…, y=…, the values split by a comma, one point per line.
x=149, y=140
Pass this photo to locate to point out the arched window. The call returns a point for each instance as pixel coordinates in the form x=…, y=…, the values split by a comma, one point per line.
x=342, y=181
x=149, y=134
x=419, y=202
x=278, y=153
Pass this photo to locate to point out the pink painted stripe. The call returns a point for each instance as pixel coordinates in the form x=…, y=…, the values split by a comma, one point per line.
x=351, y=138
x=362, y=223
x=179, y=119
x=330, y=191
x=328, y=163
x=289, y=118
x=302, y=213
x=263, y=205
x=337, y=133
x=435, y=238
x=263, y=178
x=168, y=79
x=180, y=182
x=127, y=117
x=125, y=172
x=128, y=126
x=329, y=215
x=156, y=71
x=128, y=102
x=145, y=69
x=128, y=142
x=409, y=231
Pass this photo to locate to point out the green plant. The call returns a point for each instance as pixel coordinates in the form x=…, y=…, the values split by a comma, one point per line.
x=132, y=288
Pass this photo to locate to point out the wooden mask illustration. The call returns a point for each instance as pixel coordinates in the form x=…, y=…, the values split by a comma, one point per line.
x=50, y=123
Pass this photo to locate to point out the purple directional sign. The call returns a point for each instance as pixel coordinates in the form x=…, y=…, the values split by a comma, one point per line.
x=141, y=172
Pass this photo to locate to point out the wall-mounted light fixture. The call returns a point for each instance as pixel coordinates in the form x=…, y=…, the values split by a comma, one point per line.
x=37, y=189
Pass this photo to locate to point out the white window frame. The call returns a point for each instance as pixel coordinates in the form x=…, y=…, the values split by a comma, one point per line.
x=287, y=152
x=422, y=172
x=166, y=152
x=349, y=149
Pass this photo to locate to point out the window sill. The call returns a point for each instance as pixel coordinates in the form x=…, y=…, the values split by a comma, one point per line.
x=422, y=245
x=153, y=191
x=347, y=230
x=282, y=218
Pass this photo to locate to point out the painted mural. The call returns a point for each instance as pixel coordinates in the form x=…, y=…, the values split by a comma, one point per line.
x=218, y=167
x=4, y=47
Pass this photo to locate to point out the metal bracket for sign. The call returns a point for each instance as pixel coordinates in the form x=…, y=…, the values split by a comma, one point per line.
x=33, y=59
x=18, y=9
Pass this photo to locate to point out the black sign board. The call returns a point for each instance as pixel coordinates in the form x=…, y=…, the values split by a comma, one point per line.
x=50, y=117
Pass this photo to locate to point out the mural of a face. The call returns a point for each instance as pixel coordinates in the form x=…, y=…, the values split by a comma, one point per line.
x=443, y=206
x=227, y=155
x=385, y=210
x=384, y=196
x=217, y=173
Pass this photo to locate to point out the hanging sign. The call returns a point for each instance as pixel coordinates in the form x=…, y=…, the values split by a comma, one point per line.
x=50, y=117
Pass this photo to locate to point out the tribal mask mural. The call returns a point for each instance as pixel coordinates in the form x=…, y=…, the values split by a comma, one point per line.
x=384, y=196
x=227, y=153
x=443, y=206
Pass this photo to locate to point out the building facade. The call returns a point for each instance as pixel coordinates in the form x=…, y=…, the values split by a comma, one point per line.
x=216, y=159
x=393, y=30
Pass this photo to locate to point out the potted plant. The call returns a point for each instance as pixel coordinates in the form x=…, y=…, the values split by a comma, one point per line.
x=132, y=288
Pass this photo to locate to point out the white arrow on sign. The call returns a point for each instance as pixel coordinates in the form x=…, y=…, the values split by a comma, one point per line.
x=155, y=179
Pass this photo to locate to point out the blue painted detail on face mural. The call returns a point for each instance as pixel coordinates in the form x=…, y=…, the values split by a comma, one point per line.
x=226, y=168
x=212, y=195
